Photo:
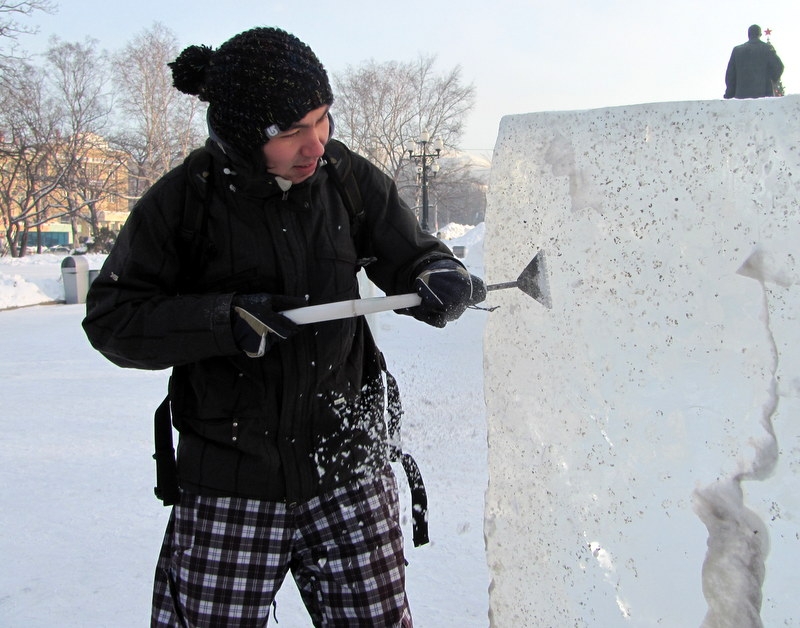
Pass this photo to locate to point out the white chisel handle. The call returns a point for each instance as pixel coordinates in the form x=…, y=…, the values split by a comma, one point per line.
x=348, y=309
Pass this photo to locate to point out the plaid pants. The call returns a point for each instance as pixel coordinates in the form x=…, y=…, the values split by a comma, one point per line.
x=224, y=559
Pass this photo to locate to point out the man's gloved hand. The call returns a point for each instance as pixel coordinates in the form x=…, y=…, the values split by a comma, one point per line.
x=446, y=288
x=256, y=323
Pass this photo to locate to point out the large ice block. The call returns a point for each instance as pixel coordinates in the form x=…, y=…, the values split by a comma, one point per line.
x=644, y=437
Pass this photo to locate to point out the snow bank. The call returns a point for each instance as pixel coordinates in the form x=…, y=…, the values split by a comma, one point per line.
x=642, y=433
x=452, y=231
x=32, y=280
x=19, y=285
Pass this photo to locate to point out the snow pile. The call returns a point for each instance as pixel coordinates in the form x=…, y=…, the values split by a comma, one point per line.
x=17, y=290
x=14, y=288
x=642, y=433
x=469, y=236
x=35, y=279
x=451, y=231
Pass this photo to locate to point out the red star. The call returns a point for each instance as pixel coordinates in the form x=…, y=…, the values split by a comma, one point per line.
x=768, y=32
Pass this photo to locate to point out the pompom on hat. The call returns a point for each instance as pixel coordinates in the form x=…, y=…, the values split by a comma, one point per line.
x=257, y=84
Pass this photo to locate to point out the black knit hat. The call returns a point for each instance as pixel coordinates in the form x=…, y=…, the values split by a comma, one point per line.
x=257, y=84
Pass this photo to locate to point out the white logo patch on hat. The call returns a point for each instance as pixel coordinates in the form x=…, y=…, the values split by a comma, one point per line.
x=272, y=130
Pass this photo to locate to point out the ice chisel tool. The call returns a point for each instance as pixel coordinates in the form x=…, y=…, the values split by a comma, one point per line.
x=532, y=281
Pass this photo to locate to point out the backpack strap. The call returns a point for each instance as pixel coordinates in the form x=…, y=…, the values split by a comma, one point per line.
x=193, y=246
x=166, y=488
x=419, y=496
x=340, y=170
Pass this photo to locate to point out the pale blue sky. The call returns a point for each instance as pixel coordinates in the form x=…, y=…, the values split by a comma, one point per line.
x=521, y=56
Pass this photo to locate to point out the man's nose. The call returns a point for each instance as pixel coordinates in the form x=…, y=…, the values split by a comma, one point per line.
x=314, y=146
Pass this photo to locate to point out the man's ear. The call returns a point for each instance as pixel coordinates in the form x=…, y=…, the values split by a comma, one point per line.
x=330, y=124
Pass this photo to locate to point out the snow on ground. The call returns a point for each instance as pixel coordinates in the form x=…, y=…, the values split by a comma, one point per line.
x=81, y=526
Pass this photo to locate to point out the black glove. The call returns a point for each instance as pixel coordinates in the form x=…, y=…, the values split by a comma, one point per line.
x=256, y=323
x=446, y=288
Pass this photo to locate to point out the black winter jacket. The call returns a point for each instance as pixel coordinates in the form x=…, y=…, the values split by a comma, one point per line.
x=753, y=70
x=308, y=415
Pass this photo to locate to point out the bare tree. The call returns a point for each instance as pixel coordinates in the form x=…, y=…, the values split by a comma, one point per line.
x=12, y=24
x=30, y=122
x=380, y=106
x=160, y=124
x=79, y=78
x=374, y=107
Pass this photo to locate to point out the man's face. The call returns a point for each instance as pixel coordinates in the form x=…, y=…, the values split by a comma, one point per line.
x=293, y=154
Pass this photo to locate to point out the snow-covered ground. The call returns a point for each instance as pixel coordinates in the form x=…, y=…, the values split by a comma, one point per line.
x=80, y=525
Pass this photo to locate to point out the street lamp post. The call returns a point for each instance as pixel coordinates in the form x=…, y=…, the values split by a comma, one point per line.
x=426, y=166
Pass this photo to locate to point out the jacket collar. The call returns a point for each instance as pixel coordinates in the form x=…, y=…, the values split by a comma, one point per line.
x=248, y=176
